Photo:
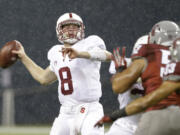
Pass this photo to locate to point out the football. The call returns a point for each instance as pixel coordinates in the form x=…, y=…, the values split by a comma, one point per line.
x=7, y=58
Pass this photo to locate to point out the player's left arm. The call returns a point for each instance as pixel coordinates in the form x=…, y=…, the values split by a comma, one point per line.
x=142, y=103
x=122, y=81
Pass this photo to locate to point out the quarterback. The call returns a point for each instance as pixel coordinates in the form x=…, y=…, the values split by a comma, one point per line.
x=75, y=63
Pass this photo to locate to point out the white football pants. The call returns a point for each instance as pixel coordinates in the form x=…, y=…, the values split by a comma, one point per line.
x=78, y=120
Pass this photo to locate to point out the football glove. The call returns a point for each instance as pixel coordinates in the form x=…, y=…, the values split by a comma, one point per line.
x=119, y=59
x=105, y=119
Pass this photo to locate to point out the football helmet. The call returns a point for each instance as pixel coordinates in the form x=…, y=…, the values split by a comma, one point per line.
x=163, y=33
x=175, y=50
x=139, y=42
x=69, y=35
x=142, y=40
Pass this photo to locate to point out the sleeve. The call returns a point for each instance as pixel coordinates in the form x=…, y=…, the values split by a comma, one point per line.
x=95, y=42
x=128, y=60
x=172, y=72
x=140, y=52
x=112, y=69
x=136, y=48
x=50, y=58
x=96, y=48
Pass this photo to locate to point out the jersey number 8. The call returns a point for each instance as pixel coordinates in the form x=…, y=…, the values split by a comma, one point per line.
x=66, y=80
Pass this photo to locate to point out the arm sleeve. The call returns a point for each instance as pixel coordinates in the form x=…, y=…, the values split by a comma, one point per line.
x=95, y=42
x=112, y=69
x=140, y=52
x=96, y=48
x=50, y=58
x=128, y=60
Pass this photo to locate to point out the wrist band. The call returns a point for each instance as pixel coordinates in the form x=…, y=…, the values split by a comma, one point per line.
x=120, y=69
x=118, y=114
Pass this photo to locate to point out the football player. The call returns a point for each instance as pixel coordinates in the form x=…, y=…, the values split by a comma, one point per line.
x=75, y=63
x=127, y=125
x=150, y=62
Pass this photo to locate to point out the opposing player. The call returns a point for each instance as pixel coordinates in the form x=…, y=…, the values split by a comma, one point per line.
x=150, y=62
x=75, y=64
x=127, y=125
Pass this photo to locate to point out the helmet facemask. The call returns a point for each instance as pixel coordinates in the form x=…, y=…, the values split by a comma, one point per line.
x=175, y=50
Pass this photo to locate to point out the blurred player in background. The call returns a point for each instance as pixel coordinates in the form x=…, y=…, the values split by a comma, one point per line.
x=150, y=62
x=75, y=64
x=127, y=125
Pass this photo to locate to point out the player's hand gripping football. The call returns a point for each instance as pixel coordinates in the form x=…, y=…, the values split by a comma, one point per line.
x=119, y=59
x=105, y=119
x=71, y=52
x=20, y=52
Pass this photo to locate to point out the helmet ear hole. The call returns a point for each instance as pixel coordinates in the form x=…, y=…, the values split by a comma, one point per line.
x=62, y=26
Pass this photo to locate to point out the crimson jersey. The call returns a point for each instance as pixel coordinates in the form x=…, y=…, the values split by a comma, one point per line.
x=172, y=73
x=157, y=57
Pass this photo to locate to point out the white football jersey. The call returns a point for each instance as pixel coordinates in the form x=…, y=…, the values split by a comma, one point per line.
x=128, y=96
x=125, y=98
x=79, y=78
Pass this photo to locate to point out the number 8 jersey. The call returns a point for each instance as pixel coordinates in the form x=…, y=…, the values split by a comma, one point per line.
x=79, y=78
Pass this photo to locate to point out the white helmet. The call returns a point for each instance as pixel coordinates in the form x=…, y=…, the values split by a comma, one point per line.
x=163, y=33
x=70, y=36
x=140, y=41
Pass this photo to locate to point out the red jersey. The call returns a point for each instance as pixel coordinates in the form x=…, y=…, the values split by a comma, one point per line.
x=157, y=57
x=172, y=73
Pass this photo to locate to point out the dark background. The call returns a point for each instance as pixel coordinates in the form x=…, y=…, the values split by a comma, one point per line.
x=32, y=22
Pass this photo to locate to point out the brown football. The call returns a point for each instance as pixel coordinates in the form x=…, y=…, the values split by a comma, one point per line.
x=7, y=58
